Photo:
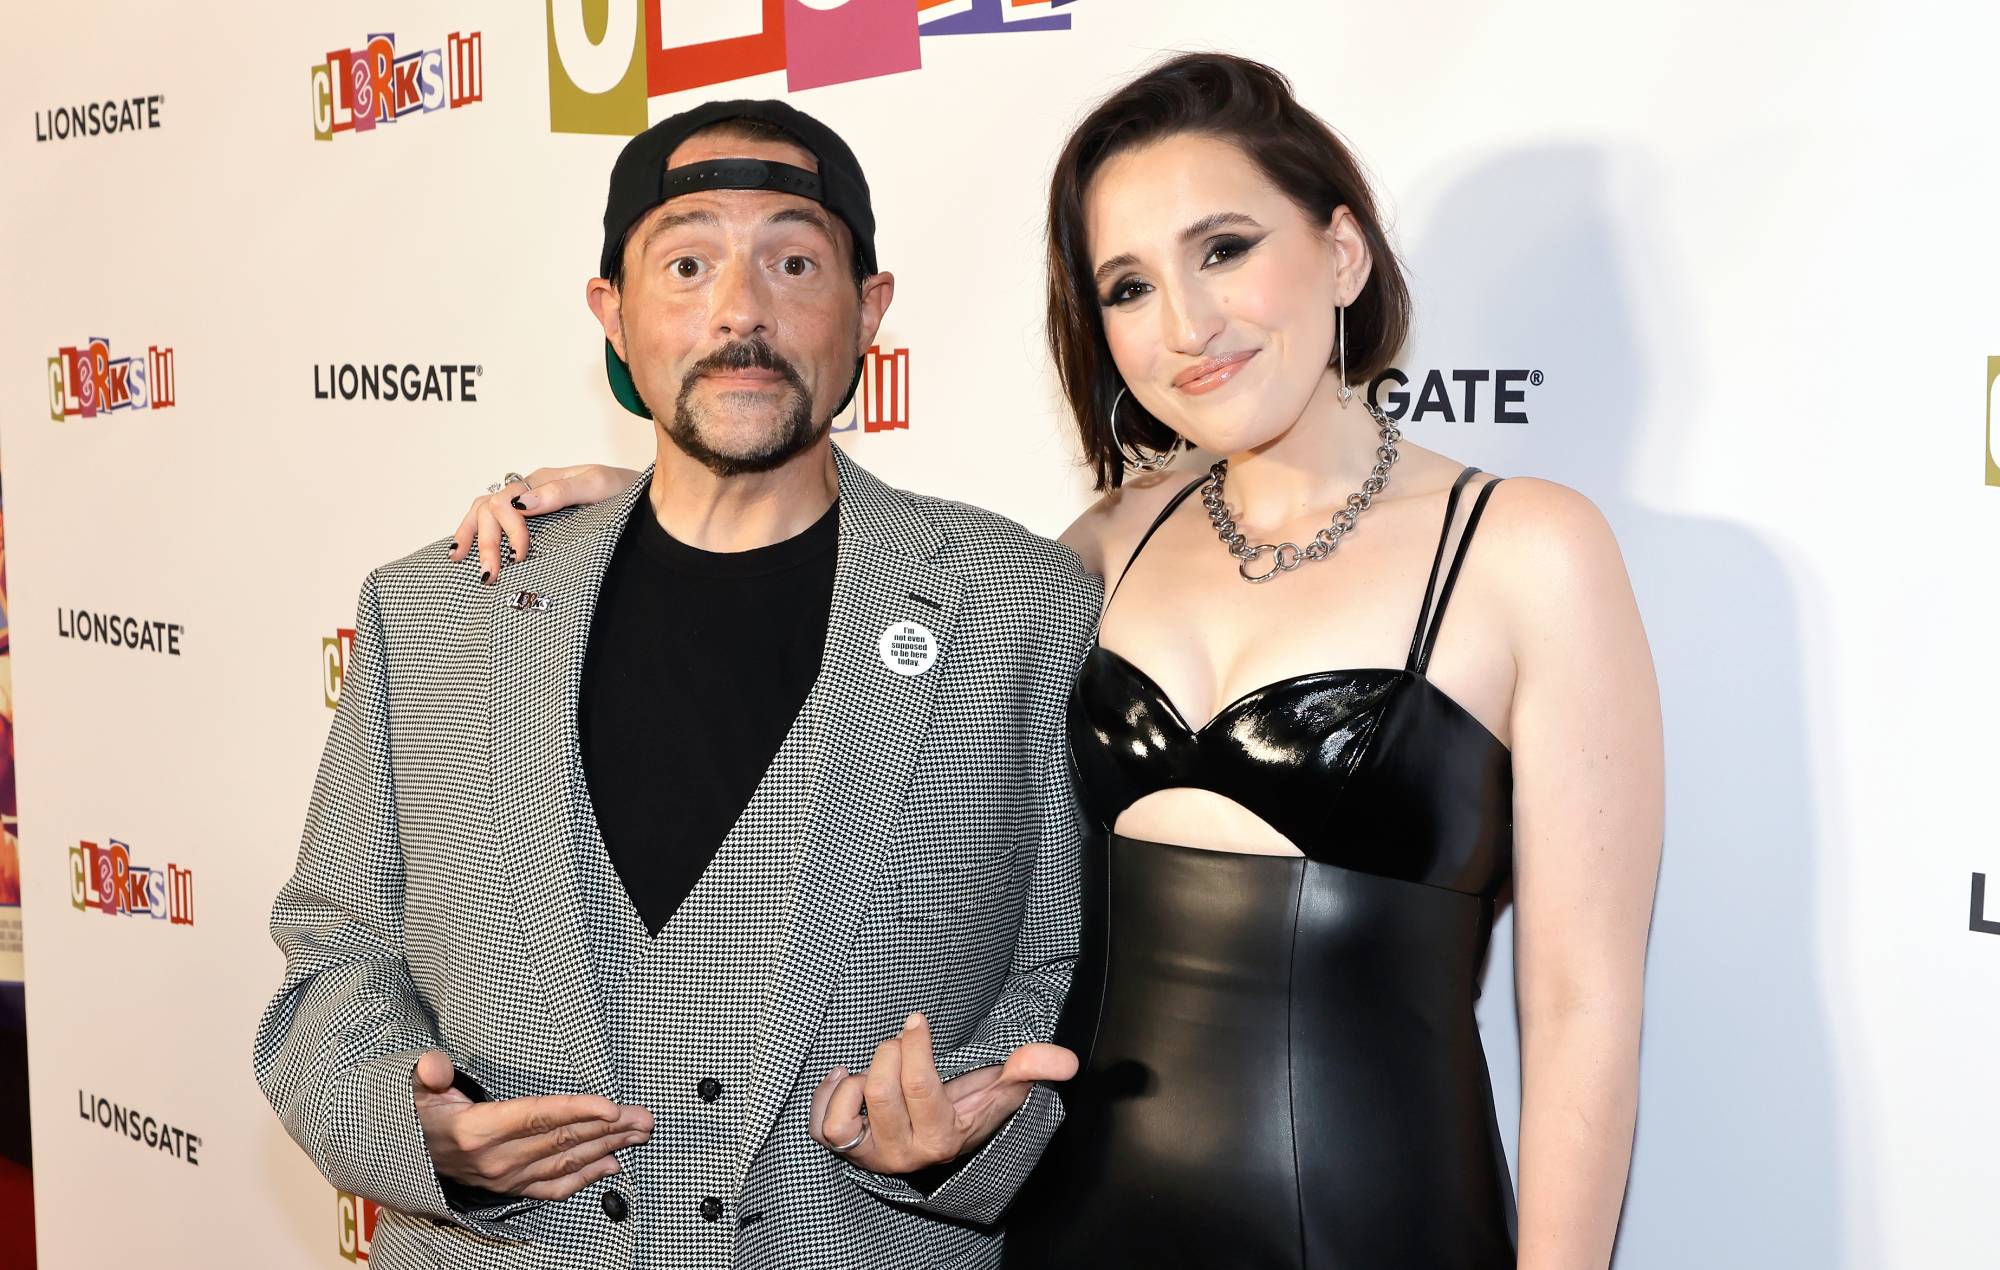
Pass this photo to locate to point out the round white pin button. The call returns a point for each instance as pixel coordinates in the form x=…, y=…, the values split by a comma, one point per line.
x=907, y=648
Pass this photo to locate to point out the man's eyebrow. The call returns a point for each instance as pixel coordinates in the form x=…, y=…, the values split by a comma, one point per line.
x=674, y=220
x=1206, y=225
x=803, y=215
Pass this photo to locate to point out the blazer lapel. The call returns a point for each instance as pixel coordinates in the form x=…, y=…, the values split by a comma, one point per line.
x=539, y=631
x=869, y=723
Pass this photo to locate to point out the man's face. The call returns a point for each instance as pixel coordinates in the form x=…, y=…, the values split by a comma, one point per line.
x=738, y=314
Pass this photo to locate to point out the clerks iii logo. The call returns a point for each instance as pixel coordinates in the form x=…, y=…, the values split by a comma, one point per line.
x=106, y=880
x=98, y=118
x=396, y=381
x=358, y=1215
x=608, y=58
x=1503, y=394
x=356, y=89
x=882, y=402
x=1992, y=439
x=335, y=654
x=87, y=381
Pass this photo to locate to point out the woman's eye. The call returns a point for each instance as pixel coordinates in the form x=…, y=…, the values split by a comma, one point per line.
x=1225, y=249
x=1130, y=289
x=796, y=266
x=685, y=266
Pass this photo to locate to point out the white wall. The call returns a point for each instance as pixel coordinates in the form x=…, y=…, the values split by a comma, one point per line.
x=1751, y=249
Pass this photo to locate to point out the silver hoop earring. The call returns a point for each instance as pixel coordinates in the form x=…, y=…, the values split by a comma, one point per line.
x=1340, y=327
x=1153, y=464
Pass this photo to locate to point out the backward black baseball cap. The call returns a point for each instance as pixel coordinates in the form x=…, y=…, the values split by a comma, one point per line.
x=641, y=181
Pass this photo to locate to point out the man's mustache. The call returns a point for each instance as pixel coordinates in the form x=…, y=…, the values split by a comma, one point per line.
x=751, y=354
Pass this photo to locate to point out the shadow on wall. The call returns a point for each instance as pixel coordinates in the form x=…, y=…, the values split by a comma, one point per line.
x=1738, y=1161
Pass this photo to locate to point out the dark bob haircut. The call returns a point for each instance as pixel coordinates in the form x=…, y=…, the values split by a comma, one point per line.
x=1251, y=106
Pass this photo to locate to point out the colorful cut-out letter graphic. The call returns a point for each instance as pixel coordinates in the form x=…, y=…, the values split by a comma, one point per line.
x=608, y=58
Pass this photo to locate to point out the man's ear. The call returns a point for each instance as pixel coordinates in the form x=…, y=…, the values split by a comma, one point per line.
x=603, y=299
x=876, y=292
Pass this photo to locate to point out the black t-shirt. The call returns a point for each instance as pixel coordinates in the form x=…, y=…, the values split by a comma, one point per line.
x=698, y=664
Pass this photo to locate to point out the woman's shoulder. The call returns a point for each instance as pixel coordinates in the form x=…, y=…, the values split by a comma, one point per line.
x=1551, y=548
x=1109, y=528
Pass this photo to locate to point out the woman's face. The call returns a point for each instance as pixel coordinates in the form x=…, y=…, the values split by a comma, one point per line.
x=1217, y=293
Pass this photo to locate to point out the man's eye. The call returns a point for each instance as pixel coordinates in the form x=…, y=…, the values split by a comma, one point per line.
x=797, y=266
x=686, y=266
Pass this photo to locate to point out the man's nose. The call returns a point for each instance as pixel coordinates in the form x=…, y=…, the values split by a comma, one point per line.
x=740, y=303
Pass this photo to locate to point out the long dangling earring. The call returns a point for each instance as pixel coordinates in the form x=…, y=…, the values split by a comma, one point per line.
x=1340, y=326
x=1153, y=464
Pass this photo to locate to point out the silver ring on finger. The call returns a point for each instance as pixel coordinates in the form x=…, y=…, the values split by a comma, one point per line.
x=849, y=1146
x=515, y=478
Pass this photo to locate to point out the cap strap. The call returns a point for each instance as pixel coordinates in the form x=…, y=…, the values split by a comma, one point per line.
x=741, y=174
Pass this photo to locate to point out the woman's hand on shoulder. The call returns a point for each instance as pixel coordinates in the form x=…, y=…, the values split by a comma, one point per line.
x=504, y=514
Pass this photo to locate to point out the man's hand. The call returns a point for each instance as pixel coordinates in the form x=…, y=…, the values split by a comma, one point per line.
x=540, y=1148
x=907, y=1119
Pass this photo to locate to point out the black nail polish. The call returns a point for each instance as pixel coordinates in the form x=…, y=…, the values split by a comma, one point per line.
x=518, y=505
x=486, y=577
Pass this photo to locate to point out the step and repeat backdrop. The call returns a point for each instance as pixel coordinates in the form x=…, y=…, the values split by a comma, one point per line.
x=287, y=285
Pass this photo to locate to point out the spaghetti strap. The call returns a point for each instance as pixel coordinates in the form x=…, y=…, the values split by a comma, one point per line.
x=1147, y=537
x=1437, y=563
x=1451, y=579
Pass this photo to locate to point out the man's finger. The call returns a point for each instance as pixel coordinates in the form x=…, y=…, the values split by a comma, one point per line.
x=553, y=1164
x=929, y=1108
x=434, y=1072
x=888, y=1118
x=564, y=1187
x=843, y=1121
x=533, y=1158
x=817, y=1116
x=1037, y=1061
x=491, y=1122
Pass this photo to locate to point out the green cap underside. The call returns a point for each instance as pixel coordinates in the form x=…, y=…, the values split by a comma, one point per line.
x=622, y=386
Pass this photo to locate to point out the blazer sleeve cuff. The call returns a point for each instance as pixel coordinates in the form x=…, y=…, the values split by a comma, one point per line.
x=379, y=1151
x=981, y=1187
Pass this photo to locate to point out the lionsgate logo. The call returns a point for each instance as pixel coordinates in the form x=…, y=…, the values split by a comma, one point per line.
x=1502, y=393
x=358, y=1215
x=98, y=118
x=335, y=654
x=169, y=1139
x=356, y=89
x=136, y=633
x=105, y=880
x=87, y=381
x=396, y=381
x=1981, y=923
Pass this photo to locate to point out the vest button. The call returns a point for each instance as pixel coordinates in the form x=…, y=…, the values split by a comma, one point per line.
x=614, y=1205
x=711, y=1208
x=709, y=1089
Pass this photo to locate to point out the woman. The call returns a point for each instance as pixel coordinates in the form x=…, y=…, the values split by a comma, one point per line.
x=1287, y=906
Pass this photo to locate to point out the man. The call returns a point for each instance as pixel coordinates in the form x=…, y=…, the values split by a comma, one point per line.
x=750, y=779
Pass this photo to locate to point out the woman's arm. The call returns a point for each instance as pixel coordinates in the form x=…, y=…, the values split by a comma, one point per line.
x=1588, y=812
x=507, y=512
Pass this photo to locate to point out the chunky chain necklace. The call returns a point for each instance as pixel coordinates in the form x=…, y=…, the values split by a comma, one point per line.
x=1287, y=556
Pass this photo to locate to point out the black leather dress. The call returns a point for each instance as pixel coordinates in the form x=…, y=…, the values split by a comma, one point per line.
x=1281, y=1065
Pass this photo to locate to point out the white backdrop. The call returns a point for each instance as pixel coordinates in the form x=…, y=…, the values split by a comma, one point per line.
x=1748, y=252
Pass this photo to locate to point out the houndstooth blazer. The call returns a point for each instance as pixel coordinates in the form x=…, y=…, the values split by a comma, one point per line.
x=914, y=845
